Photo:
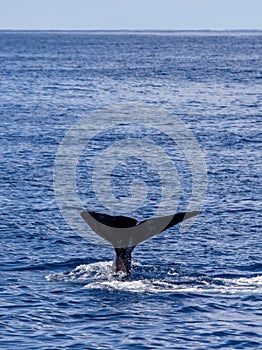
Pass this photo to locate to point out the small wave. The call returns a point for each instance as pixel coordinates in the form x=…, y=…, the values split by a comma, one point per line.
x=100, y=276
x=252, y=280
x=248, y=282
x=83, y=273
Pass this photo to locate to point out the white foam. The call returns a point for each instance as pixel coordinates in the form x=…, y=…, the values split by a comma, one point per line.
x=100, y=276
x=242, y=284
x=82, y=273
x=255, y=281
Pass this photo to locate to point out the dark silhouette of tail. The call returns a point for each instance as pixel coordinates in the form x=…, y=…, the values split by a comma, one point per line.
x=126, y=233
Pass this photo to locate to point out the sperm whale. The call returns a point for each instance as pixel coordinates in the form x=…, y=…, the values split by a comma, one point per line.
x=125, y=233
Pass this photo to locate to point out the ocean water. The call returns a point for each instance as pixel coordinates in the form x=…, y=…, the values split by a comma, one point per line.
x=198, y=289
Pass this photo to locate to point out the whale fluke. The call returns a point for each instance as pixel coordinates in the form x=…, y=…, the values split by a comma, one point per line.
x=112, y=221
x=126, y=233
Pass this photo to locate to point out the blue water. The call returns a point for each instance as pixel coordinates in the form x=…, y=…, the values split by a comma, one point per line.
x=201, y=289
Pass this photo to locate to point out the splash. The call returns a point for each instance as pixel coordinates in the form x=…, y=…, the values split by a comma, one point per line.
x=148, y=280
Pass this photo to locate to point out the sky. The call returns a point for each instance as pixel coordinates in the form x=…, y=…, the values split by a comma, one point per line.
x=130, y=14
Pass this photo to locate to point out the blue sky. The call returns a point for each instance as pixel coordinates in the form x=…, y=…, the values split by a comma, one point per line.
x=131, y=14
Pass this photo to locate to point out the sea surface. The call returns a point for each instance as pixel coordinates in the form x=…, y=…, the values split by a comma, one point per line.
x=195, y=289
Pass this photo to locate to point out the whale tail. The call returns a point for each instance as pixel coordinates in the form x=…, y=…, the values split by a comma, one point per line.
x=126, y=233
